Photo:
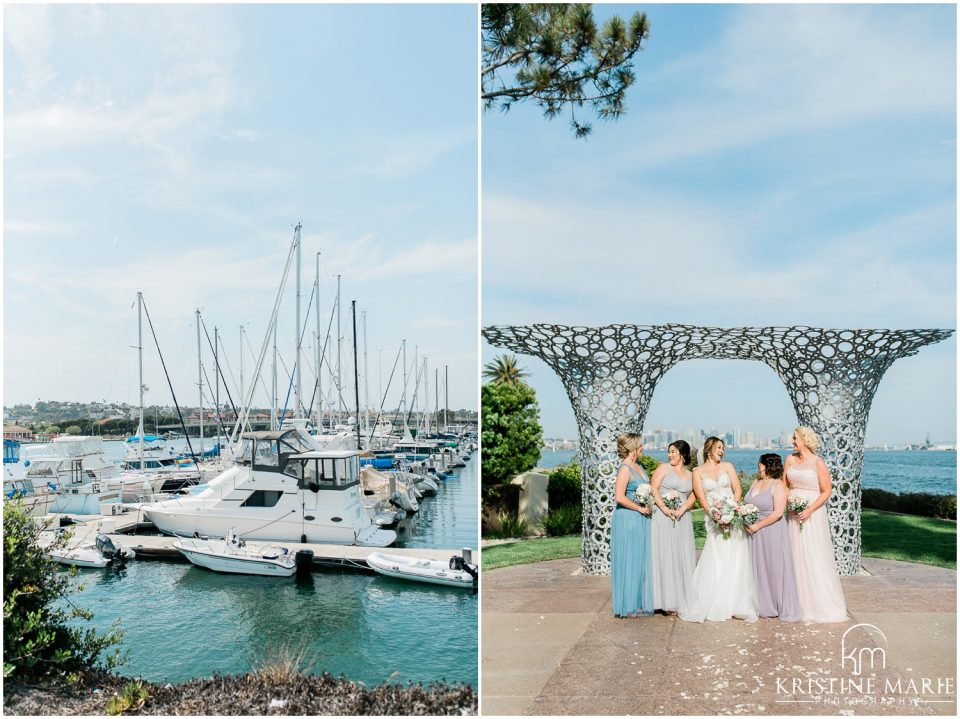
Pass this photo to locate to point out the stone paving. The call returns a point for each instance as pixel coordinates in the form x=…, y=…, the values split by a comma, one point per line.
x=551, y=645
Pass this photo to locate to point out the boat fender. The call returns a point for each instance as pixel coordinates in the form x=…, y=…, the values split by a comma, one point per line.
x=303, y=540
x=304, y=562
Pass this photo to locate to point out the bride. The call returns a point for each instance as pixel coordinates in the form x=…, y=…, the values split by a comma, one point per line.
x=723, y=584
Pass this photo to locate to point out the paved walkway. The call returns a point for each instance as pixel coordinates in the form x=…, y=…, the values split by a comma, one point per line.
x=551, y=645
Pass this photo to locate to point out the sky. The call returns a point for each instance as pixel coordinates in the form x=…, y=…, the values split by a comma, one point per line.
x=777, y=165
x=172, y=150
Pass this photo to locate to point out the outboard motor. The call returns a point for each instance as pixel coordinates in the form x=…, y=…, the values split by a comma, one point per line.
x=116, y=553
x=304, y=560
x=462, y=564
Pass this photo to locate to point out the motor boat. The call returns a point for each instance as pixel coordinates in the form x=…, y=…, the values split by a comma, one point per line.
x=93, y=555
x=279, y=489
x=397, y=490
x=449, y=574
x=231, y=555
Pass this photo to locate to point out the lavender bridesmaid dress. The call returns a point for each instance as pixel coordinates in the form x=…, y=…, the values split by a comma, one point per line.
x=772, y=562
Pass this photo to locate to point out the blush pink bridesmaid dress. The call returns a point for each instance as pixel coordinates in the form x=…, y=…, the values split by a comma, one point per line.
x=818, y=583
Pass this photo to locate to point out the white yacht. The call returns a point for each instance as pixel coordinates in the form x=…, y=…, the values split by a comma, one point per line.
x=281, y=488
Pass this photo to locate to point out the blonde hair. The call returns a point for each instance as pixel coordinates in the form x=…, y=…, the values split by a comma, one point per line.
x=808, y=437
x=628, y=442
x=708, y=446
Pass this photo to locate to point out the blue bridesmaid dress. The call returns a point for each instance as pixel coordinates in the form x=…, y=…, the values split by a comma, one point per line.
x=631, y=559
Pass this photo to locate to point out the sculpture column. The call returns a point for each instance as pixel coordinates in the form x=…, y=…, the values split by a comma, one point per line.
x=609, y=374
x=831, y=377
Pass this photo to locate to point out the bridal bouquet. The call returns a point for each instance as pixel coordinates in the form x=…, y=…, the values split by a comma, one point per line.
x=643, y=496
x=672, y=500
x=722, y=512
x=797, y=505
x=746, y=515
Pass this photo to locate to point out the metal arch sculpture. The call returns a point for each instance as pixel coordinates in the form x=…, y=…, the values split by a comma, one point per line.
x=610, y=374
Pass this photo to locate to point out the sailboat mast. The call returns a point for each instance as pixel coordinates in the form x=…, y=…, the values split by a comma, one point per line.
x=413, y=391
x=356, y=384
x=274, y=420
x=446, y=395
x=216, y=374
x=241, y=363
x=200, y=380
x=319, y=359
x=426, y=397
x=366, y=378
x=140, y=356
x=297, y=363
x=403, y=402
x=339, y=335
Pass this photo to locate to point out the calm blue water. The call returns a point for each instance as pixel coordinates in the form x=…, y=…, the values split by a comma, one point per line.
x=894, y=471
x=184, y=622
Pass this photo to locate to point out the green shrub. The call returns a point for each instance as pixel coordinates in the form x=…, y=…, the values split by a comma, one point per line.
x=510, y=525
x=565, y=486
x=920, y=504
x=131, y=698
x=38, y=642
x=563, y=521
x=947, y=507
x=648, y=463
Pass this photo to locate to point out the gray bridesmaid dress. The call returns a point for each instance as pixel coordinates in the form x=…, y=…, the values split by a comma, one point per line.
x=674, y=551
x=772, y=562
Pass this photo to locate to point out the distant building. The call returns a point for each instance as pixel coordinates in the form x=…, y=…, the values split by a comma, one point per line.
x=15, y=431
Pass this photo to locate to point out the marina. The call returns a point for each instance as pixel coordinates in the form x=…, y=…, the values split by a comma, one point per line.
x=183, y=621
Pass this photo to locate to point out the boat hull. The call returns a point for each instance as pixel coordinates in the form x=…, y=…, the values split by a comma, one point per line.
x=211, y=524
x=422, y=570
x=236, y=564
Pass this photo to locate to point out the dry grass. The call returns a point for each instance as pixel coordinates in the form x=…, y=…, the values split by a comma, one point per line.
x=285, y=662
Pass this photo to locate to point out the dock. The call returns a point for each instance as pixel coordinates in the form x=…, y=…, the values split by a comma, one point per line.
x=122, y=530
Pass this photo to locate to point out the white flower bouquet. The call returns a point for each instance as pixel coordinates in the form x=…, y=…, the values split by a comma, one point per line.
x=722, y=512
x=746, y=514
x=672, y=500
x=797, y=505
x=643, y=495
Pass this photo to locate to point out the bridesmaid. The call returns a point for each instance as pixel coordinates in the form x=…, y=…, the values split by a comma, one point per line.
x=631, y=572
x=675, y=555
x=770, y=551
x=818, y=584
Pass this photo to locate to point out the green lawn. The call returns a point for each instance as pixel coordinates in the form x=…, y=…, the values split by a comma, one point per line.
x=885, y=535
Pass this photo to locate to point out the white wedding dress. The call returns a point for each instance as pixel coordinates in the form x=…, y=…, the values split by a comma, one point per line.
x=723, y=584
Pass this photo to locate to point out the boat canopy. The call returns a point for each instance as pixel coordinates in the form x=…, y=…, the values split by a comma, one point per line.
x=146, y=438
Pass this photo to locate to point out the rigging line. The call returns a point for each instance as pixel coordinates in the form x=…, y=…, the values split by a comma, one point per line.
x=241, y=422
x=384, y=400
x=272, y=521
x=416, y=397
x=221, y=425
x=323, y=354
x=220, y=371
x=303, y=332
x=126, y=334
x=169, y=384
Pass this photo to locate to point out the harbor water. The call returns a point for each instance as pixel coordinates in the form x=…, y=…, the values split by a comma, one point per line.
x=895, y=471
x=183, y=622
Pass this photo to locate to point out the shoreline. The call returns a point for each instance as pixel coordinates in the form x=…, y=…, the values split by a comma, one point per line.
x=267, y=691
